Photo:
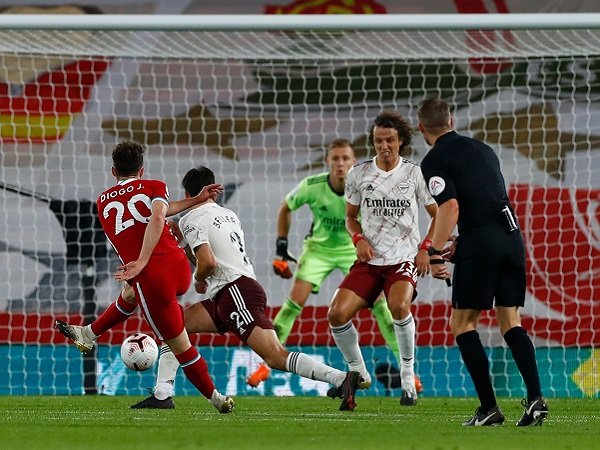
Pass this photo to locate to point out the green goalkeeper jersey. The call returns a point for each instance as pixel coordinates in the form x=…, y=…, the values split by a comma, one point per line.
x=328, y=230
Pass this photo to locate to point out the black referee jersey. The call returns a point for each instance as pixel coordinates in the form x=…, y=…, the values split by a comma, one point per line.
x=490, y=256
x=468, y=170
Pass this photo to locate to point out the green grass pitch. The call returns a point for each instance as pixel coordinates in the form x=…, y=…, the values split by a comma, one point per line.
x=102, y=422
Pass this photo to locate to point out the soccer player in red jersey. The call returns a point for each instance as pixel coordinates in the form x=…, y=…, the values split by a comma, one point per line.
x=132, y=214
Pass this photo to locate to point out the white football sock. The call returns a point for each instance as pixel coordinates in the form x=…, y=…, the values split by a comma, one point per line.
x=346, y=339
x=88, y=333
x=305, y=366
x=217, y=399
x=167, y=369
x=405, y=333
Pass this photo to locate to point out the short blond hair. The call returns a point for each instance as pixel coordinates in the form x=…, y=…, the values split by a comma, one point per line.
x=340, y=143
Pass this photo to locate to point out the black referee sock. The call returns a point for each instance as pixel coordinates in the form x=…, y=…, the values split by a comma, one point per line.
x=524, y=355
x=478, y=365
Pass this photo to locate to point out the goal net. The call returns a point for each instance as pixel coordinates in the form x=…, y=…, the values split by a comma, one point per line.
x=259, y=108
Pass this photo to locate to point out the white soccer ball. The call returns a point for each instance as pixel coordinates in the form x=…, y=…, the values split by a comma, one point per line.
x=139, y=352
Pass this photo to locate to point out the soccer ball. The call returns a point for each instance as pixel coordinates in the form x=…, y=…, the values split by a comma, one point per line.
x=139, y=352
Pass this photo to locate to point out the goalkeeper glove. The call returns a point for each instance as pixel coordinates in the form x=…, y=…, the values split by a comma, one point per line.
x=282, y=268
x=282, y=250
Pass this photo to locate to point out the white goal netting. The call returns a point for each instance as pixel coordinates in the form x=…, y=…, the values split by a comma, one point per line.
x=259, y=108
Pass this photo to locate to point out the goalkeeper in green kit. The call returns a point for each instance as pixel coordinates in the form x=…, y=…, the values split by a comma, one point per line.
x=326, y=248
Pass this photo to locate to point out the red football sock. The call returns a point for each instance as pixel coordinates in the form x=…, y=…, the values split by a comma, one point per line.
x=196, y=371
x=115, y=314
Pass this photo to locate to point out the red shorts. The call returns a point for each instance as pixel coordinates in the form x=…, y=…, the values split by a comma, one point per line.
x=239, y=307
x=367, y=281
x=156, y=290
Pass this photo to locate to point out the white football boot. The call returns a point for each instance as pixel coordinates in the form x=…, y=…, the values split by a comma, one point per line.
x=79, y=335
x=223, y=403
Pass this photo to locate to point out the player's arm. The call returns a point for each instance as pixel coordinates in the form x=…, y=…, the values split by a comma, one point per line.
x=211, y=191
x=206, y=263
x=151, y=237
x=176, y=231
x=364, y=251
x=422, y=258
x=284, y=219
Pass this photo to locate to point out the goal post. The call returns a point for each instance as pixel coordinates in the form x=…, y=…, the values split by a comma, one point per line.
x=258, y=99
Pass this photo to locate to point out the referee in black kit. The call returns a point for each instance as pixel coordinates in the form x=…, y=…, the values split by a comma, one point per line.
x=463, y=176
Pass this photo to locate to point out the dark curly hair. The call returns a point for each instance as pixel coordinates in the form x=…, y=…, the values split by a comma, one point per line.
x=393, y=119
x=128, y=158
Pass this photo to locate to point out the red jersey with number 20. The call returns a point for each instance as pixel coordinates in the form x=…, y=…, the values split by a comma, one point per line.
x=125, y=210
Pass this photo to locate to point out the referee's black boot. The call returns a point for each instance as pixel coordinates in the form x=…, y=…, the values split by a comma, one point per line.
x=535, y=413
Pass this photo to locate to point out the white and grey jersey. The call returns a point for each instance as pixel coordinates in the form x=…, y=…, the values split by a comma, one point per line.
x=389, y=208
x=221, y=229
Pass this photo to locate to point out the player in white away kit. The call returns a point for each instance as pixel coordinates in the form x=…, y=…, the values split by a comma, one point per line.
x=215, y=241
x=382, y=201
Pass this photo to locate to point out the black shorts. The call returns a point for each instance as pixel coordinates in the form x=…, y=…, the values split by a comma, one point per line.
x=489, y=269
x=239, y=307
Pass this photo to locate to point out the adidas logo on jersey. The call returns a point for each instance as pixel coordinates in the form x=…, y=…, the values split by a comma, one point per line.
x=323, y=208
x=369, y=187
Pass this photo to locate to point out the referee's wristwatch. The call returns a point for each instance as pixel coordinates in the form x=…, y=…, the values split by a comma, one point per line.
x=433, y=251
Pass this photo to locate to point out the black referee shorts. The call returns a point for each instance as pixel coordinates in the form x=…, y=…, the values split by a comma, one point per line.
x=489, y=266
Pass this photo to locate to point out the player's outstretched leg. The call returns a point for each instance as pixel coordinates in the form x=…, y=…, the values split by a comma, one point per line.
x=347, y=383
x=283, y=324
x=348, y=391
x=81, y=336
x=535, y=412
